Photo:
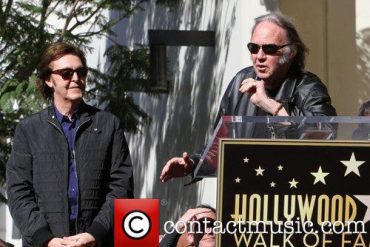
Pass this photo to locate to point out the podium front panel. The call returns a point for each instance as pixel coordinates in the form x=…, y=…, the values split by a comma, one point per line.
x=293, y=192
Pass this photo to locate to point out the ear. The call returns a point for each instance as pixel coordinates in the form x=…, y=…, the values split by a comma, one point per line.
x=48, y=82
x=293, y=53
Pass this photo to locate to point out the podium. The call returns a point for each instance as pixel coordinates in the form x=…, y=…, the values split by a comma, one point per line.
x=290, y=181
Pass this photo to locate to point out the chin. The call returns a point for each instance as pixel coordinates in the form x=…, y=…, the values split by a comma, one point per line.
x=262, y=76
x=75, y=93
x=75, y=97
x=208, y=242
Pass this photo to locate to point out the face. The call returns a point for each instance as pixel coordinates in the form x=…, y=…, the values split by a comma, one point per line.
x=67, y=88
x=271, y=67
x=183, y=241
x=205, y=239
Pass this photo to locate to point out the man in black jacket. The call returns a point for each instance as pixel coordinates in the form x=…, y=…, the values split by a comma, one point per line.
x=276, y=84
x=68, y=162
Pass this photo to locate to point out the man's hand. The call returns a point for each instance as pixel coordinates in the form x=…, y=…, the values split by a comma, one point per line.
x=177, y=167
x=80, y=240
x=57, y=242
x=257, y=91
x=191, y=214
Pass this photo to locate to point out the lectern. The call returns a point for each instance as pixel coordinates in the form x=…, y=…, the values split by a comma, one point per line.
x=290, y=181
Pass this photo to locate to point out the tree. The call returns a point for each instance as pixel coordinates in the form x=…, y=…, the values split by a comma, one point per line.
x=27, y=27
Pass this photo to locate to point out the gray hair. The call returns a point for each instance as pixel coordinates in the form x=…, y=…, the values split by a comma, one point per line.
x=298, y=63
x=284, y=59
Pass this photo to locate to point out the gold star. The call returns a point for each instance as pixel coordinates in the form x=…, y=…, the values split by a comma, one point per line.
x=280, y=167
x=246, y=160
x=352, y=165
x=237, y=180
x=319, y=176
x=293, y=183
x=272, y=184
x=259, y=171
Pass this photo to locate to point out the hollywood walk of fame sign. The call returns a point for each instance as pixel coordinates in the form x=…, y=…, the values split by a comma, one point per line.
x=294, y=193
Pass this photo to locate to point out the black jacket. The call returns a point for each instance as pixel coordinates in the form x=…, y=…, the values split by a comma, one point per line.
x=302, y=94
x=37, y=175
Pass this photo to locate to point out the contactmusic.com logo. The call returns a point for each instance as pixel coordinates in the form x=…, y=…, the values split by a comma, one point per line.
x=136, y=222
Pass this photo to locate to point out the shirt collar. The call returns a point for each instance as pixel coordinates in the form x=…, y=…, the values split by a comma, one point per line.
x=61, y=118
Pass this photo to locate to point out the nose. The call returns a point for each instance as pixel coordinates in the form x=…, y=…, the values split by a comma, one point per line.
x=75, y=76
x=260, y=54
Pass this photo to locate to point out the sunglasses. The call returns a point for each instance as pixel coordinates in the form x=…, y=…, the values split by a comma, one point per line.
x=68, y=73
x=202, y=224
x=268, y=49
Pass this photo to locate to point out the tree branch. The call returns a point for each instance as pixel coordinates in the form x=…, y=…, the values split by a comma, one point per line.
x=45, y=6
x=4, y=15
x=79, y=23
x=53, y=9
x=69, y=18
x=112, y=22
x=105, y=28
x=1, y=10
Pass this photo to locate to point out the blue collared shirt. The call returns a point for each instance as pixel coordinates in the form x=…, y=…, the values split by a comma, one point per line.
x=69, y=129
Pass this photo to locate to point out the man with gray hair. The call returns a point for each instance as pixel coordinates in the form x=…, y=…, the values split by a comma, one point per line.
x=276, y=84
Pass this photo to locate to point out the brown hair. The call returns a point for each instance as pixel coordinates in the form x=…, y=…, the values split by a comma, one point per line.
x=54, y=52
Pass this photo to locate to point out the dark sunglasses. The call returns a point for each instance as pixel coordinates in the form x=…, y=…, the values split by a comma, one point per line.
x=268, y=49
x=68, y=73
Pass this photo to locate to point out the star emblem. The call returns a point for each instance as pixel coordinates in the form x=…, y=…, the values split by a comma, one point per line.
x=293, y=183
x=259, y=171
x=365, y=199
x=352, y=165
x=280, y=167
x=246, y=160
x=319, y=176
x=272, y=184
x=237, y=180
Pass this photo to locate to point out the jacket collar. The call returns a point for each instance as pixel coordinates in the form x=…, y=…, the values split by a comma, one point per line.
x=286, y=91
x=83, y=112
